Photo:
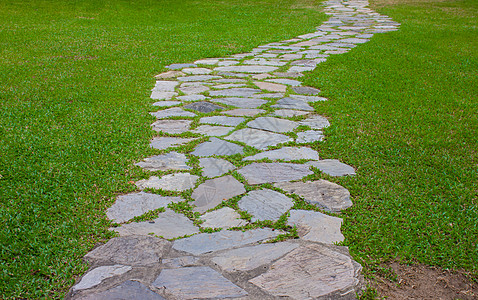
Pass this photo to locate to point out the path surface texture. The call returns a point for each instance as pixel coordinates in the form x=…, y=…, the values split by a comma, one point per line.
x=249, y=107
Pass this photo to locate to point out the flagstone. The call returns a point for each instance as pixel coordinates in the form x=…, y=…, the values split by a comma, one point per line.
x=291, y=103
x=225, y=217
x=285, y=81
x=243, y=112
x=229, y=85
x=178, y=262
x=258, y=173
x=288, y=113
x=192, y=97
x=333, y=167
x=161, y=143
x=273, y=124
x=235, y=92
x=127, y=290
x=169, y=74
x=247, y=69
x=171, y=126
x=204, y=107
x=166, y=103
x=265, y=62
x=259, y=139
x=262, y=76
x=265, y=205
x=97, y=275
x=308, y=98
x=287, y=154
x=195, y=89
x=228, y=63
x=155, y=95
x=196, y=71
x=209, y=130
x=222, y=120
x=316, y=227
x=172, y=182
x=211, y=61
x=163, y=162
x=212, y=192
x=305, y=90
x=198, y=78
x=232, y=74
x=289, y=74
x=172, y=112
x=268, y=86
x=180, y=66
x=240, y=102
x=309, y=136
x=299, y=69
x=230, y=80
x=216, y=146
x=269, y=95
x=213, y=167
x=315, y=122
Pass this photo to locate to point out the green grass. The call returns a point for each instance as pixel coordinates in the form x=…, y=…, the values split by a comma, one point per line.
x=75, y=78
x=404, y=112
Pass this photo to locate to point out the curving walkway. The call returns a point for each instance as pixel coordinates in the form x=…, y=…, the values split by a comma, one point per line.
x=237, y=154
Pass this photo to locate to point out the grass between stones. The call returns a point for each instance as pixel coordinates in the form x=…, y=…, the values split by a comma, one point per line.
x=75, y=80
x=404, y=109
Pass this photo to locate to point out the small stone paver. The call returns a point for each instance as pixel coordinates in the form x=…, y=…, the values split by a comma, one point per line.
x=299, y=69
x=327, y=195
x=258, y=173
x=169, y=74
x=171, y=126
x=309, y=136
x=179, y=262
x=225, y=217
x=289, y=74
x=178, y=182
x=269, y=86
x=192, y=97
x=269, y=95
x=240, y=102
x=209, y=130
x=127, y=290
x=196, y=71
x=246, y=69
x=287, y=154
x=213, y=167
x=133, y=205
x=204, y=107
x=209, y=61
x=287, y=113
x=180, y=66
x=285, y=81
x=265, y=204
x=229, y=85
x=333, y=167
x=194, y=89
x=273, y=124
x=259, y=139
x=315, y=122
x=291, y=103
x=243, y=112
x=265, y=62
x=212, y=192
x=198, y=78
x=197, y=283
x=316, y=227
x=165, y=86
x=308, y=99
x=304, y=90
x=217, y=146
x=168, y=224
x=172, y=112
x=222, y=120
x=162, y=142
x=169, y=161
x=235, y=92
x=97, y=275
x=155, y=95
x=166, y=103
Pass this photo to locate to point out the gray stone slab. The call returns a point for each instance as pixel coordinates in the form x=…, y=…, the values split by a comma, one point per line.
x=168, y=161
x=315, y=122
x=272, y=87
x=333, y=167
x=288, y=113
x=305, y=90
x=269, y=95
x=180, y=66
x=291, y=103
x=227, y=63
x=213, y=167
x=207, y=61
x=289, y=74
x=240, y=102
x=258, y=173
x=204, y=107
x=259, y=139
x=197, y=71
x=287, y=154
x=229, y=85
x=130, y=250
x=231, y=74
x=273, y=124
x=285, y=81
x=169, y=74
x=133, y=205
x=169, y=225
x=291, y=56
x=308, y=98
x=230, y=80
x=171, y=126
x=166, y=142
x=198, y=78
x=299, y=69
x=252, y=257
x=222, y=240
x=208, y=130
x=222, y=120
x=310, y=272
x=213, y=191
x=265, y=205
x=165, y=86
x=309, y=136
x=97, y=275
x=172, y=112
x=304, y=63
x=265, y=62
x=166, y=103
x=225, y=217
x=179, y=262
x=353, y=41
x=316, y=227
x=235, y=92
x=197, y=283
x=172, y=182
x=246, y=69
x=216, y=146
x=262, y=76
x=155, y=95
x=194, y=89
x=126, y=291
x=192, y=97
x=327, y=195
x=243, y=112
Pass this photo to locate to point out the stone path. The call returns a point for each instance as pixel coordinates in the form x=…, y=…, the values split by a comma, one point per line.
x=228, y=218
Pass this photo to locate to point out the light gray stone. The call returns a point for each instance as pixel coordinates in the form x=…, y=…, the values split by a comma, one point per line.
x=212, y=192
x=315, y=122
x=252, y=257
x=273, y=124
x=240, y=102
x=208, y=130
x=230, y=80
x=207, y=61
x=171, y=126
x=126, y=291
x=165, y=86
x=262, y=76
x=216, y=146
x=196, y=71
x=353, y=41
x=265, y=204
x=213, y=167
x=289, y=74
x=198, y=78
x=179, y=262
x=299, y=69
x=227, y=63
x=258, y=173
x=97, y=275
x=231, y=74
x=225, y=217
x=169, y=225
x=229, y=85
x=316, y=227
x=194, y=89
x=172, y=112
x=309, y=136
x=287, y=154
x=180, y=66
x=265, y=62
x=197, y=283
x=204, y=107
x=291, y=103
x=169, y=161
x=333, y=167
x=171, y=182
x=305, y=90
x=133, y=205
x=166, y=103
x=308, y=98
x=288, y=113
x=246, y=69
x=169, y=74
x=235, y=92
x=269, y=95
x=192, y=97
x=166, y=142
x=155, y=95
x=269, y=86
x=285, y=81
x=291, y=56
x=222, y=240
x=259, y=139
x=243, y=112
x=222, y=120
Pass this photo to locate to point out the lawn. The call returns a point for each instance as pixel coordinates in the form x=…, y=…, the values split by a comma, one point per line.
x=74, y=100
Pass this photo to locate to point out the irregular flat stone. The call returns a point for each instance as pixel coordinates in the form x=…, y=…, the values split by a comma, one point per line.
x=172, y=182
x=222, y=240
x=287, y=154
x=309, y=136
x=287, y=113
x=131, y=250
x=196, y=71
x=235, y=92
x=285, y=81
x=304, y=63
x=172, y=112
x=198, y=78
x=315, y=122
x=133, y=205
x=171, y=126
x=166, y=103
x=204, y=107
x=194, y=89
x=249, y=258
x=169, y=74
x=310, y=272
x=291, y=103
x=97, y=275
x=353, y=41
x=230, y=80
x=222, y=120
x=291, y=56
x=216, y=146
x=269, y=86
x=197, y=283
x=180, y=66
x=225, y=217
x=262, y=76
x=243, y=112
x=228, y=63
x=327, y=195
x=299, y=69
x=269, y=95
x=246, y=69
x=192, y=97
x=259, y=139
x=305, y=90
x=209, y=61
x=258, y=173
x=265, y=62
x=289, y=74
x=212, y=130
x=240, y=102
x=213, y=167
x=316, y=227
x=162, y=95
x=165, y=86
x=308, y=98
x=166, y=142
x=333, y=167
x=265, y=204
x=169, y=225
x=273, y=124
x=231, y=74
x=169, y=161
x=213, y=191
x=179, y=262
x=127, y=290
x=229, y=85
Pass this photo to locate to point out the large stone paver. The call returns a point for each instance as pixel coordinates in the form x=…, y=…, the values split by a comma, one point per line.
x=216, y=146
x=161, y=143
x=287, y=154
x=291, y=103
x=163, y=162
x=246, y=69
x=96, y=276
x=273, y=124
x=240, y=102
x=127, y=290
x=333, y=167
x=171, y=182
x=209, y=130
x=259, y=139
x=213, y=167
x=222, y=120
x=235, y=92
x=204, y=107
x=243, y=112
x=172, y=112
x=258, y=173
x=265, y=204
x=212, y=192
x=171, y=126
x=315, y=122
x=225, y=217
x=315, y=226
